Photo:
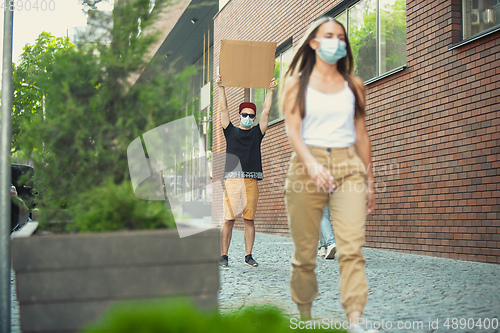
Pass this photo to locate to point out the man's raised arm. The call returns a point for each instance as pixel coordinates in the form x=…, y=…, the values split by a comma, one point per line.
x=264, y=117
x=224, y=114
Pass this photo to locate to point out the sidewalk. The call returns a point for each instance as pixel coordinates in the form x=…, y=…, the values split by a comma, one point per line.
x=405, y=289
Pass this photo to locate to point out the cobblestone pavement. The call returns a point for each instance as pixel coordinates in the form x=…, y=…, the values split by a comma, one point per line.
x=405, y=289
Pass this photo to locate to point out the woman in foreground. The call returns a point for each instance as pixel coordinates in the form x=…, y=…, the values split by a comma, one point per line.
x=324, y=107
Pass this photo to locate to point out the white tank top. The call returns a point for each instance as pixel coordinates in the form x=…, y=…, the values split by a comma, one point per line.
x=329, y=119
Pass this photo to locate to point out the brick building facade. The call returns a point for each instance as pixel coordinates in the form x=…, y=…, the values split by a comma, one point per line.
x=434, y=125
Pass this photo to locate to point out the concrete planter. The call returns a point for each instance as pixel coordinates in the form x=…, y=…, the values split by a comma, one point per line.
x=67, y=281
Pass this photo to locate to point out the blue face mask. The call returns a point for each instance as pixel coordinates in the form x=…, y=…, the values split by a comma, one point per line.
x=246, y=122
x=331, y=50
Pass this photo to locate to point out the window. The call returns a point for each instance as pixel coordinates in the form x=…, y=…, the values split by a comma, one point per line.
x=479, y=16
x=377, y=34
x=281, y=62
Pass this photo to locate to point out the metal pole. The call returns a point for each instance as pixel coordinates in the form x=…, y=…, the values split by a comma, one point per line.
x=5, y=172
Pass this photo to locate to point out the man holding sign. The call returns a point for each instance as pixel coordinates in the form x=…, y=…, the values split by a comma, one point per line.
x=243, y=169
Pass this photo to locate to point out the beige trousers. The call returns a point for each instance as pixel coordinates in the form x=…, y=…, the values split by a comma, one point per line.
x=305, y=204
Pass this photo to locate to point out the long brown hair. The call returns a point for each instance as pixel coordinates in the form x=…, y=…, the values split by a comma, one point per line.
x=303, y=63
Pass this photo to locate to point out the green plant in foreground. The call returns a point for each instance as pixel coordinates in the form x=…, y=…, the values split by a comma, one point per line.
x=181, y=315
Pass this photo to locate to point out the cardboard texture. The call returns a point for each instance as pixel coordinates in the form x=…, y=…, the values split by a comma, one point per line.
x=247, y=64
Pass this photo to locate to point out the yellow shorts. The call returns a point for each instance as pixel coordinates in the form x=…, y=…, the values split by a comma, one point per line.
x=242, y=191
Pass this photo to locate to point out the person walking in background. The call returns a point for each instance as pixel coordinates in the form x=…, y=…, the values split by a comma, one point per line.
x=242, y=170
x=324, y=106
x=327, y=246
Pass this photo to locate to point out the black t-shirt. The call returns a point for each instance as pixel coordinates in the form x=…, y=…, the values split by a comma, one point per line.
x=243, y=156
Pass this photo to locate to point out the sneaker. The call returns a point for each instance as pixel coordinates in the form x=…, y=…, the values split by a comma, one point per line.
x=249, y=261
x=356, y=328
x=223, y=261
x=330, y=252
x=322, y=251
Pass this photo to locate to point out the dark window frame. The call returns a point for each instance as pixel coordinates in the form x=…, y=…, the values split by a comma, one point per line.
x=473, y=38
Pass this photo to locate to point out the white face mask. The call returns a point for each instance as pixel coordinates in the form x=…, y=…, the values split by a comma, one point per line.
x=331, y=50
x=246, y=122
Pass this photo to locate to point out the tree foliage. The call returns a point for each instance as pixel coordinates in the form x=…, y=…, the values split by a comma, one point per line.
x=363, y=36
x=36, y=60
x=395, y=20
x=93, y=111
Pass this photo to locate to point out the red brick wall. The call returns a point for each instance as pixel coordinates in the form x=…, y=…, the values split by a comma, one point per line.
x=437, y=123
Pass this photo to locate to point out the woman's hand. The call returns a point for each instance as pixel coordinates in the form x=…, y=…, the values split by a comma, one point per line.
x=321, y=177
x=218, y=80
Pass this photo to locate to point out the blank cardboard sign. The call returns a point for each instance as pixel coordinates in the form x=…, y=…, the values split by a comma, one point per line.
x=246, y=64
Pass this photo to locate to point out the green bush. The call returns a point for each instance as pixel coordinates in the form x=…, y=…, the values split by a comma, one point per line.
x=115, y=207
x=181, y=315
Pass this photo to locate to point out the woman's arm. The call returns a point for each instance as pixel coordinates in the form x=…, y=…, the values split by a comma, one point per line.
x=364, y=148
x=320, y=175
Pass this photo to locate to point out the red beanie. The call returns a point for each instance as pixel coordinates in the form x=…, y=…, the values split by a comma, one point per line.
x=245, y=105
